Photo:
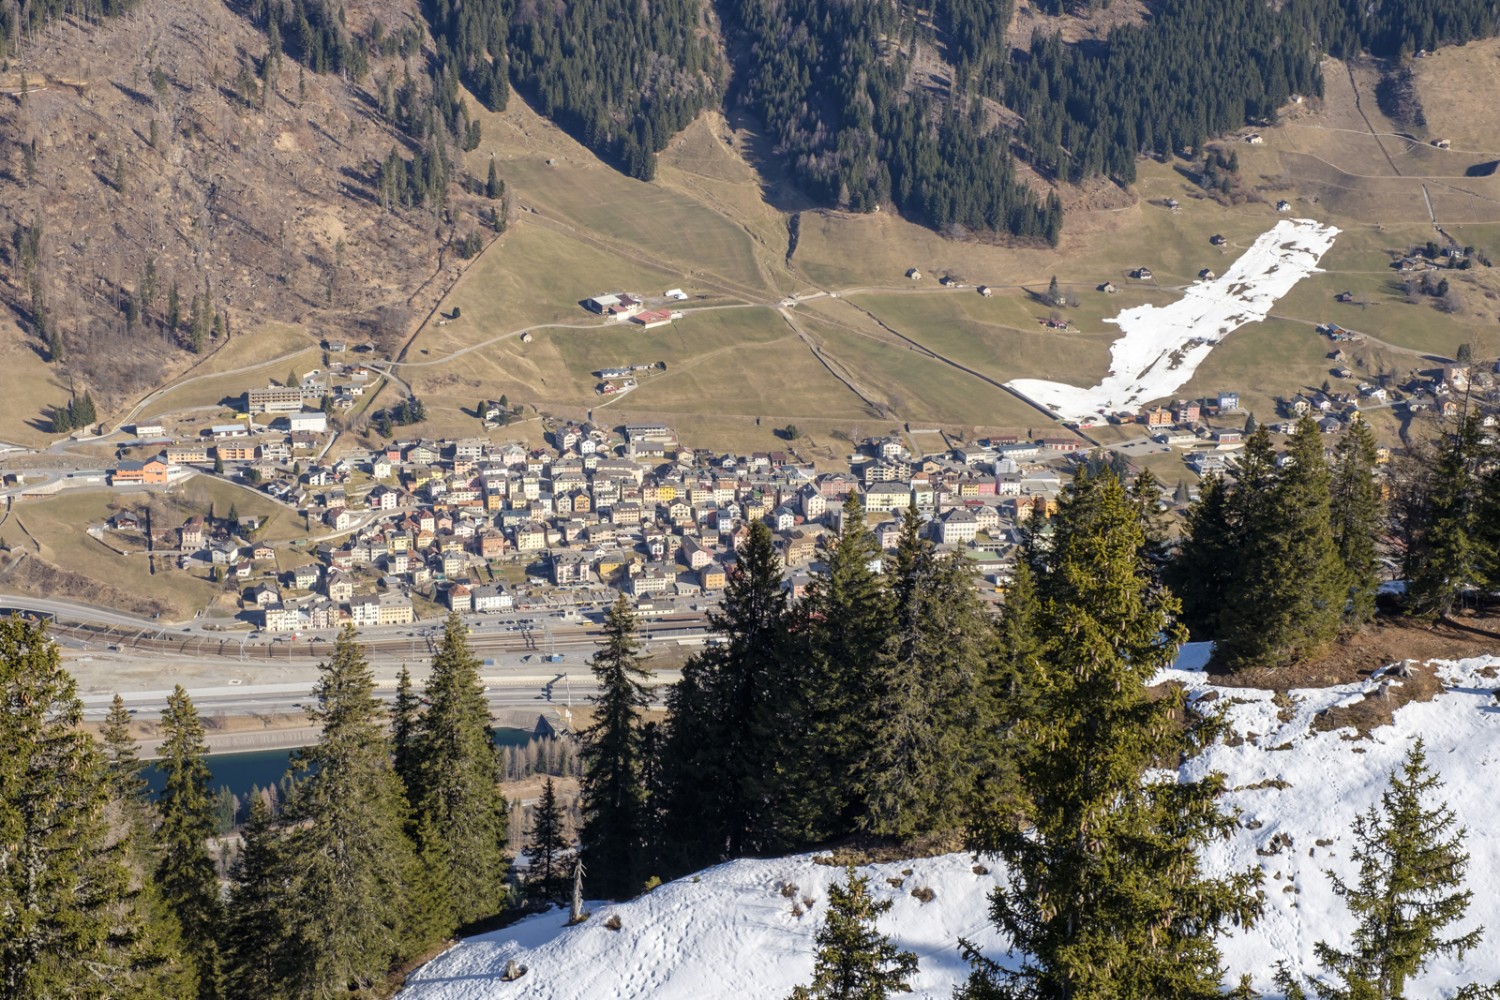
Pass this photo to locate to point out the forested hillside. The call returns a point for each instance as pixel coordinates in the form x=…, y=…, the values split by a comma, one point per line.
x=204, y=165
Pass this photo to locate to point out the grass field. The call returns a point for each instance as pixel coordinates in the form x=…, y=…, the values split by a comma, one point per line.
x=59, y=524
x=32, y=389
x=714, y=226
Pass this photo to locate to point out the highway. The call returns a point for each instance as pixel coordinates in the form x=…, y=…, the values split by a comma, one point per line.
x=530, y=660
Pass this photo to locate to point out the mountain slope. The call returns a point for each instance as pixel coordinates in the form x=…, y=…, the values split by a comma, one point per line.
x=1298, y=783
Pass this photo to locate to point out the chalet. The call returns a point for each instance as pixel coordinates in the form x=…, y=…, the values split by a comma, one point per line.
x=1344, y=297
x=985, y=291
x=914, y=274
x=126, y=521
x=1207, y=274
x=263, y=596
x=151, y=472
x=1142, y=274
x=1217, y=240
x=1255, y=139
x=1283, y=206
x=1108, y=288
x=1443, y=143
x=948, y=281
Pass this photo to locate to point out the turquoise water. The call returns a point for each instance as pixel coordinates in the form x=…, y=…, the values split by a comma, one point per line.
x=262, y=768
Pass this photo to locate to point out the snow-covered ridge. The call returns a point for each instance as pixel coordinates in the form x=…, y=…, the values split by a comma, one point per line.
x=730, y=932
x=1161, y=346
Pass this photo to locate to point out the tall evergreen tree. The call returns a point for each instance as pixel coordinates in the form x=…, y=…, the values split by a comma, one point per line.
x=612, y=797
x=158, y=962
x=1205, y=562
x=846, y=618
x=186, y=872
x=259, y=945
x=1105, y=895
x=405, y=717
x=1409, y=892
x=547, y=847
x=122, y=756
x=459, y=773
x=346, y=820
x=723, y=742
x=66, y=919
x=918, y=771
x=1358, y=519
x=1286, y=594
x=1442, y=560
x=855, y=961
x=1008, y=697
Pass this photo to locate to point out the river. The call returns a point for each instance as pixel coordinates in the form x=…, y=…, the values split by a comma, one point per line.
x=261, y=768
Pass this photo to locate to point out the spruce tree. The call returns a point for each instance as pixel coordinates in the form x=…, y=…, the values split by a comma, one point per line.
x=122, y=756
x=612, y=797
x=405, y=717
x=458, y=771
x=1286, y=592
x=346, y=821
x=854, y=960
x=259, y=947
x=70, y=924
x=846, y=618
x=187, y=875
x=547, y=848
x=1442, y=560
x=1409, y=891
x=918, y=772
x=1205, y=562
x=1358, y=518
x=158, y=962
x=725, y=720
x=1105, y=895
x=1008, y=697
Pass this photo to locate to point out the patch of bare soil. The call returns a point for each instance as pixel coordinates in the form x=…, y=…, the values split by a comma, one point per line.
x=1093, y=26
x=1402, y=642
x=34, y=575
x=169, y=164
x=1378, y=707
x=1389, y=640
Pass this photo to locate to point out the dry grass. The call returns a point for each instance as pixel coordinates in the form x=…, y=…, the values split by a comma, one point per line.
x=1458, y=85
x=32, y=388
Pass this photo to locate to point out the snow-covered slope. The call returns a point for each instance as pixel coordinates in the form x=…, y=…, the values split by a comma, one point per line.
x=1161, y=346
x=730, y=932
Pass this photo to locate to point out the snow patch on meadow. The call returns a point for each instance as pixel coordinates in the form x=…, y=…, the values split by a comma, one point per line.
x=1161, y=346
